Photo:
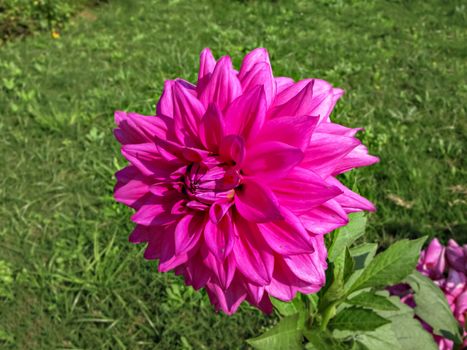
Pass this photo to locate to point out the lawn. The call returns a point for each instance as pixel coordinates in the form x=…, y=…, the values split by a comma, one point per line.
x=68, y=277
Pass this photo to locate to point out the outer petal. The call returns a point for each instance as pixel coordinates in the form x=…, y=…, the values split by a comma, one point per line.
x=294, y=131
x=325, y=218
x=222, y=271
x=271, y=160
x=358, y=157
x=350, y=201
x=455, y=256
x=245, y=116
x=256, y=70
x=302, y=190
x=149, y=161
x=211, y=128
x=223, y=86
x=283, y=83
x=136, y=128
x=157, y=210
x=253, y=256
x=131, y=186
x=307, y=267
x=325, y=152
x=435, y=261
x=188, y=232
x=227, y=300
x=165, y=103
x=256, y=202
x=297, y=105
x=188, y=112
x=207, y=63
x=219, y=238
x=287, y=236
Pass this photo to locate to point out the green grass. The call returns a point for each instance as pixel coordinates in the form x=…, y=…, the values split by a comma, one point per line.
x=69, y=278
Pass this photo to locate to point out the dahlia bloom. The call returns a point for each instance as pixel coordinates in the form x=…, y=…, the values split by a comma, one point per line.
x=447, y=267
x=234, y=180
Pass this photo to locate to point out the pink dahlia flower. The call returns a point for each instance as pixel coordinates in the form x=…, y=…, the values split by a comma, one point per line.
x=447, y=267
x=234, y=180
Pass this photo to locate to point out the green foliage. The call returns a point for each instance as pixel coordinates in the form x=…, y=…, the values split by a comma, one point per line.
x=428, y=297
x=354, y=311
x=372, y=301
x=357, y=319
x=284, y=335
x=391, y=266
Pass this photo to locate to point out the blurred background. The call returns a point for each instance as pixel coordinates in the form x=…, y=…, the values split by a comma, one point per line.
x=69, y=279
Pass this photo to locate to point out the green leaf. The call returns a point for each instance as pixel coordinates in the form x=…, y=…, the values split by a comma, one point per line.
x=391, y=266
x=284, y=335
x=346, y=235
x=362, y=256
x=319, y=340
x=357, y=319
x=372, y=301
x=432, y=307
x=284, y=308
x=403, y=332
x=339, y=271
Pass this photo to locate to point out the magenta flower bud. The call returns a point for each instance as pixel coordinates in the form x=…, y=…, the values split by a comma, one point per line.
x=461, y=307
x=455, y=282
x=455, y=256
x=434, y=261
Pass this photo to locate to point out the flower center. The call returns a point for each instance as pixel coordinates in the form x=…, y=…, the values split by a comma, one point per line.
x=211, y=180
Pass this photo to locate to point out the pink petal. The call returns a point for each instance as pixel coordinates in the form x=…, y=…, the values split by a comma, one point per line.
x=188, y=112
x=227, y=300
x=302, y=190
x=271, y=160
x=284, y=284
x=157, y=210
x=287, y=236
x=165, y=105
x=434, y=259
x=336, y=129
x=232, y=148
x=196, y=273
x=358, y=157
x=259, y=74
x=223, y=86
x=256, y=202
x=297, y=105
x=219, y=238
x=245, y=116
x=325, y=218
x=211, y=128
x=349, y=200
x=131, y=186
x=142, y=233
x=188, y=232
x=307, y=267
x=325, y=152
x=282, y=83
x=258, y=55
x=455, y=256
x=253, y=257
x=207, y=63
x=223, y=270
x=146, y=157
x=294, y=131
x=136, y=128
